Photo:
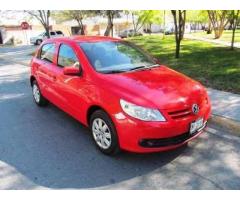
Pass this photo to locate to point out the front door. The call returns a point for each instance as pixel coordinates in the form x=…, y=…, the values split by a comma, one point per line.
x=68, y=88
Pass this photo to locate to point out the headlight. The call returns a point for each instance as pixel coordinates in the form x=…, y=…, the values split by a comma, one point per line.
x=142, y=113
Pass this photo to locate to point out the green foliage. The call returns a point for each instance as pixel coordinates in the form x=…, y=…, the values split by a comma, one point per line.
x=149, y=16
x=197, y=16
x=65, y=15
x=213, y=65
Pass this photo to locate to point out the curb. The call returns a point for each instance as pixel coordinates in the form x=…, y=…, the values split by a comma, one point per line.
x=230, y=124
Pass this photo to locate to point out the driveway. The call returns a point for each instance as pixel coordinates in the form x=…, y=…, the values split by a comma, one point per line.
x=46, y=148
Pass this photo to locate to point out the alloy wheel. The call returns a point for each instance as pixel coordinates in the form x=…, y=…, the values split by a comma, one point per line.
x=101, y=133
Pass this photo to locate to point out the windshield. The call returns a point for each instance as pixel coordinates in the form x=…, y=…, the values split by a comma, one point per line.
x=115, y=56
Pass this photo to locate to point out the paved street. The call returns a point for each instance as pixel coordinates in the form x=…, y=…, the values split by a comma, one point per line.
x=45, y=148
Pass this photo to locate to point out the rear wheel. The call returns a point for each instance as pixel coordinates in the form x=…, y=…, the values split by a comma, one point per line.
x=104, y=133
x=37, y=96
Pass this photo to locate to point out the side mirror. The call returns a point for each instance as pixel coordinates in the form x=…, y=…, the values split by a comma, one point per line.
x=72, y=70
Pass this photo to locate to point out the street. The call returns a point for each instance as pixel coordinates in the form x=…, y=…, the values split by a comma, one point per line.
x=44, y=148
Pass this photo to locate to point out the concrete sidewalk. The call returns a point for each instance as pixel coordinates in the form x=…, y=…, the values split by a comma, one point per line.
x=215, y=41
x=225, y=104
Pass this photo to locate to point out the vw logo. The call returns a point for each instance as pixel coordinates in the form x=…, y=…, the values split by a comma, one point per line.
x=195, y=109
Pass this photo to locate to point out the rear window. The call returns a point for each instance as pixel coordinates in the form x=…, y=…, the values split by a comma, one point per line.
x=47, y=52
x=59, y=32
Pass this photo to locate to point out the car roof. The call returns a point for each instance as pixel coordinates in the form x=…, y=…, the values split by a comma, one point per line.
x=83, y=39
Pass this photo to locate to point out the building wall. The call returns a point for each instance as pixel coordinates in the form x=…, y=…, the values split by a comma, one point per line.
x=15, y=34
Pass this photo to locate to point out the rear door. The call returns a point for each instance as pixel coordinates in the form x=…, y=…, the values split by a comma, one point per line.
x=44, y=64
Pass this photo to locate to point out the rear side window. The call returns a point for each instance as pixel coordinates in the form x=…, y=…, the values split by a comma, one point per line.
x=59, y=32
x=47, y=52
x=66, y=56
x=52, y=33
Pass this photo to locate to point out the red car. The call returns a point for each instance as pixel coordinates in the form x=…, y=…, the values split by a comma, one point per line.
x=127, y=99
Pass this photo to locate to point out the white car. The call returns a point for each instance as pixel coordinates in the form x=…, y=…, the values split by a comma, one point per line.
x=39, y=39
x=129, y=33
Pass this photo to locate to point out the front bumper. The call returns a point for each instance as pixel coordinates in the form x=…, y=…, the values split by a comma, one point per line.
x=171, y=141
x=139, y=136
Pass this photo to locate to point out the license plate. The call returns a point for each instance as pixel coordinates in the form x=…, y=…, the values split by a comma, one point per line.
x=196, y=125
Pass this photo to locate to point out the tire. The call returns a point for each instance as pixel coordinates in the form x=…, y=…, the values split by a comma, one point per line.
x=38, y=42
x=37, y=96
x=108, y=133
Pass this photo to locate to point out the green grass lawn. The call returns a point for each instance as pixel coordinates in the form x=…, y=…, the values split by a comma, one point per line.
x=213, y=65
x=226, y=36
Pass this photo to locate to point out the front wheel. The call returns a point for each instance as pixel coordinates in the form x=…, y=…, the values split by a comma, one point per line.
x=37, y=96
x=104, y=133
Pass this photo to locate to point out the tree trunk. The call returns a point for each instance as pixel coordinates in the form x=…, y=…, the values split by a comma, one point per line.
x=80, y=24
x=164, y=15
x=179, y=23
x=134, y=24
x=233, y=37
x=218, y=21
x=46, y=27
x=209, y=31
x=150, y=29
x=235, y=22
x=177, y=49
x=109, y=29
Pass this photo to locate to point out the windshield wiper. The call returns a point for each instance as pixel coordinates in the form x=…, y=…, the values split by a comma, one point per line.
x=144, y=67
x=138, y=67
x=113, y=71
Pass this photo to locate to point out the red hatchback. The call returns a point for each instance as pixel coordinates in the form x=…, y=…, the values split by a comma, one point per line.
x=128, y=100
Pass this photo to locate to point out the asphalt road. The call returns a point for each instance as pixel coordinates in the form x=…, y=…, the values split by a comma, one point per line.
x=46, y=148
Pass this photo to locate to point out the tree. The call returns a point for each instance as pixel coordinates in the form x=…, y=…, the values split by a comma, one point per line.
x=43, y=17
x=77, y=15
x=219, y=20
x=235, y=18
x=196, y=17
x=110, y=14
x=140, y=18
x=179, y=17
x=152, y=17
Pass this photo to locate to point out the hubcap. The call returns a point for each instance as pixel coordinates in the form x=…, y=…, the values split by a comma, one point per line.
x=101, y=133
x=36, y=93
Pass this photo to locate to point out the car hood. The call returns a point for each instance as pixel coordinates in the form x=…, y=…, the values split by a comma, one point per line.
x=159, y=87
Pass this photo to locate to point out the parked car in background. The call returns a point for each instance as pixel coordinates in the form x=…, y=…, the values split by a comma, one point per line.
x=169, y=31
x=126, y=97
x=39, y=39
x=129, y=33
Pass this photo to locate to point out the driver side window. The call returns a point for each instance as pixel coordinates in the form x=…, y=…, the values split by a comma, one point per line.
x=66, y=56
